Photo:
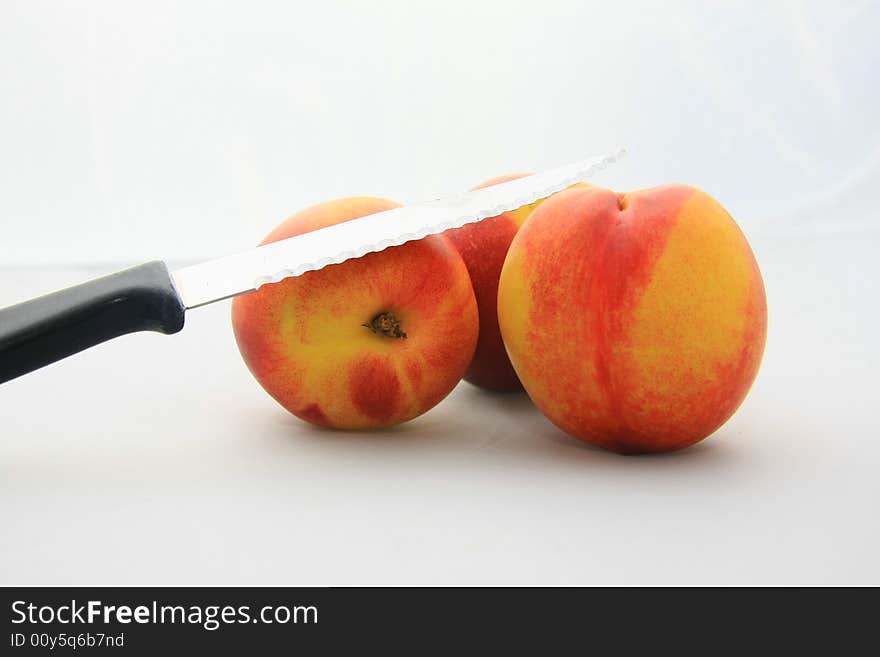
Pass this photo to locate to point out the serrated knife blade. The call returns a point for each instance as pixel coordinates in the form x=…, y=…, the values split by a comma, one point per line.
x=235, y=274
x=150, y=298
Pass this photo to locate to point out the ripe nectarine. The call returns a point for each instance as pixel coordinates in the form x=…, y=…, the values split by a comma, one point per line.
x=483, y=246
x=369, y=342
x=635, y=321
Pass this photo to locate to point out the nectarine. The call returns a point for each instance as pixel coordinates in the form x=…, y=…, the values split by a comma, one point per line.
x=369, y=342
x=635, y=321
x=483, y=246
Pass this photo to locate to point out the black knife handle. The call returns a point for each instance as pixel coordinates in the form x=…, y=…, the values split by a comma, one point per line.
x=49, y=328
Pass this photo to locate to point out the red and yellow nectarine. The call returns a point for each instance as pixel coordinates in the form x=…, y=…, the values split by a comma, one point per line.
x=483, y=246
x=635, y=321
x=369, y=342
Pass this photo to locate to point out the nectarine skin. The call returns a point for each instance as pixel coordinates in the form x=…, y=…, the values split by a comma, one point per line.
x=370, y=342
x=483, y=246
x=635, y=321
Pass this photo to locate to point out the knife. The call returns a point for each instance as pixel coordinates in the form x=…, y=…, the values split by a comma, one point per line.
x=149, y=297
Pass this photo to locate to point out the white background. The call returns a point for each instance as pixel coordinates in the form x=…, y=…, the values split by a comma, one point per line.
x=164, y=129
x=174, y=130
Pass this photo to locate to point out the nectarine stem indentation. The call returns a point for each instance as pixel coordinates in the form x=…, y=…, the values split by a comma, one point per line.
x=386, y=324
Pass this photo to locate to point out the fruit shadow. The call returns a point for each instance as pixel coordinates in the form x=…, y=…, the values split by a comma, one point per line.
x=538, y=439
x=503, y=425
